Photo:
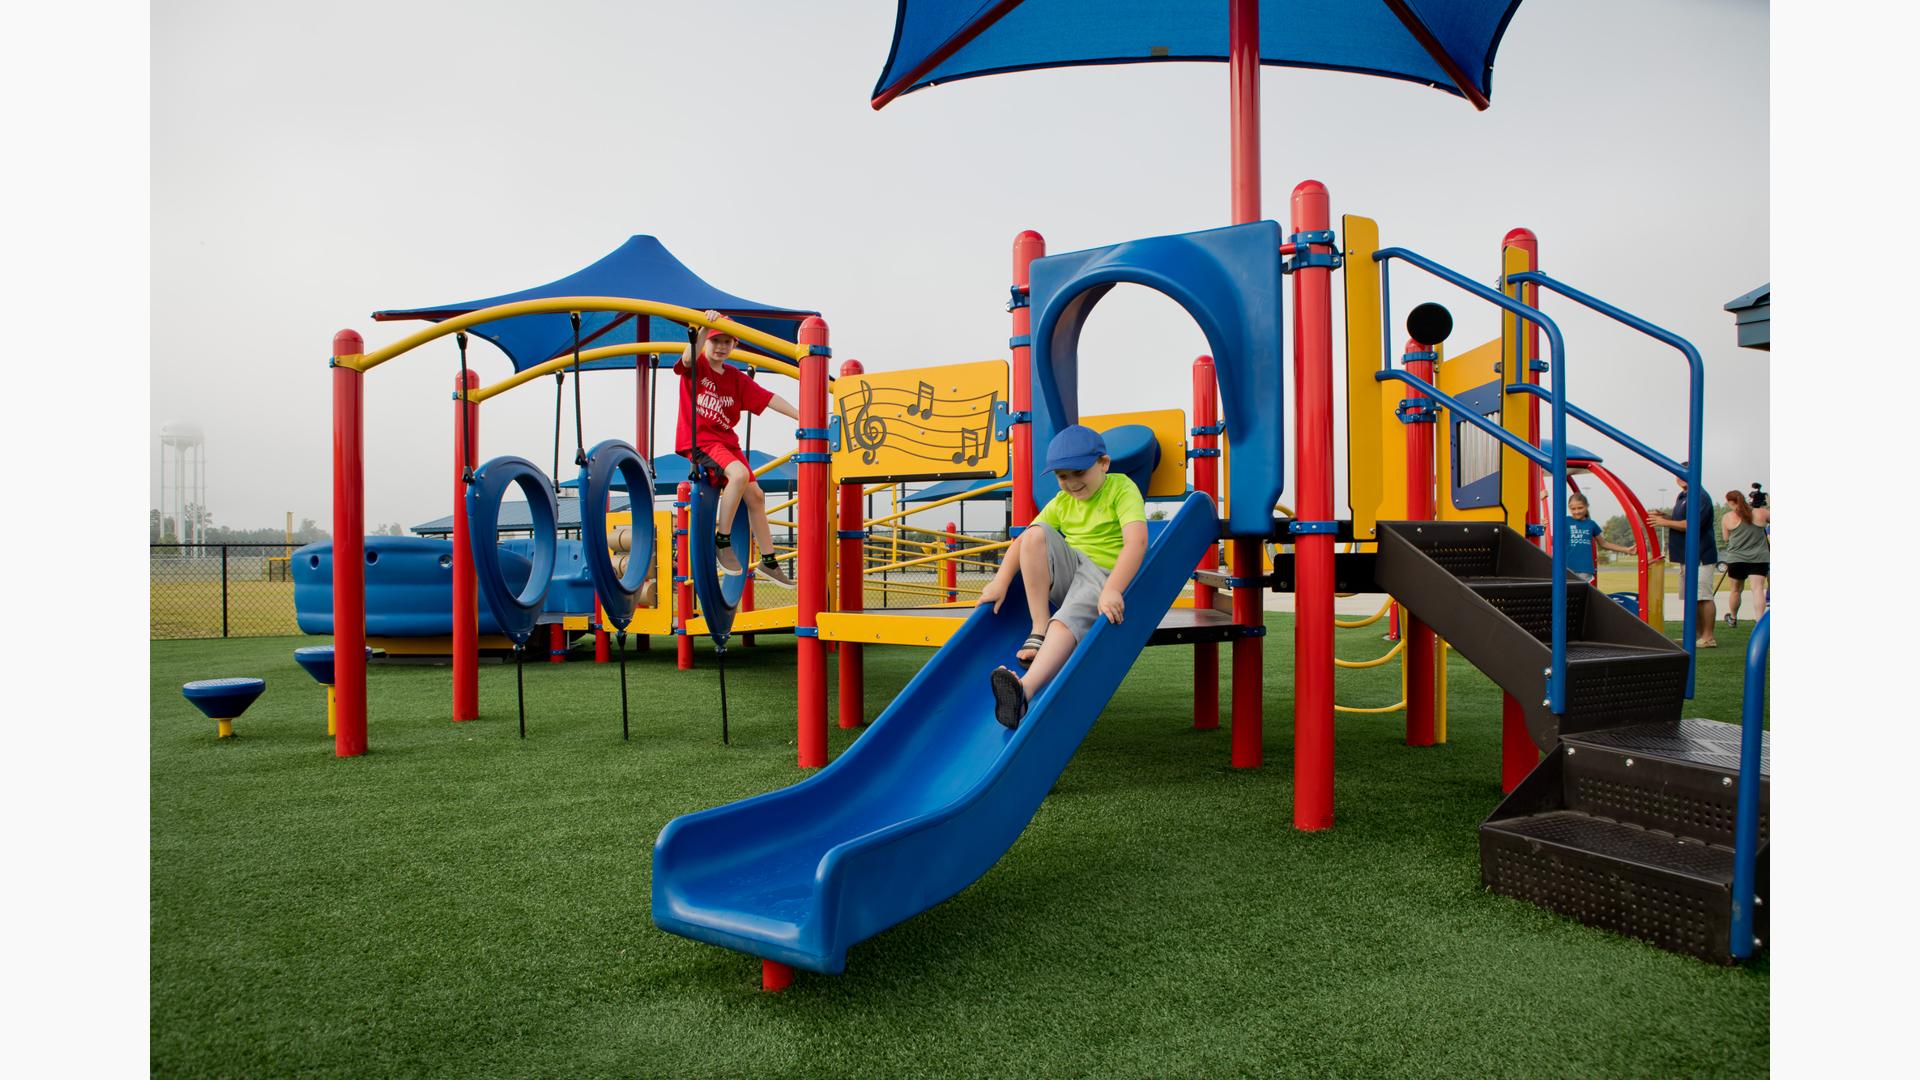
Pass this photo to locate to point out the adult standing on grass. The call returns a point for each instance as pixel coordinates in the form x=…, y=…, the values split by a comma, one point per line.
x=1743, y=538
x=1691, y=510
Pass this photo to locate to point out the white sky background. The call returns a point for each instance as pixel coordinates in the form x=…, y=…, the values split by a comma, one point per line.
x=312, y=164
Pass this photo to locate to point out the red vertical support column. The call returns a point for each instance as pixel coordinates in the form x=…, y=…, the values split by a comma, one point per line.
x=349, y=552
x=556, y=644
x=1417, y=419
x=1028, y=246
x=1206, y=478
x=466, y=594
x=1313, y=552
x=852, y=592
x=1518, y=755
x=641, y=505
x=682, y=574
x=602, y=653
x=1243, y=79
x=952, y=575
x=812, y=518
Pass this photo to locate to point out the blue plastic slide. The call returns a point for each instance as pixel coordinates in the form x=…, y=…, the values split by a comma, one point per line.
x=924, y=802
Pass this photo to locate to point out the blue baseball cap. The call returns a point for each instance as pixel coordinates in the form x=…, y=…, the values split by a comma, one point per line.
x=1075, y=448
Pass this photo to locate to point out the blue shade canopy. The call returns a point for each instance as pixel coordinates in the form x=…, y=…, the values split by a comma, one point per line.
x=1445, y=44
x=640, y=269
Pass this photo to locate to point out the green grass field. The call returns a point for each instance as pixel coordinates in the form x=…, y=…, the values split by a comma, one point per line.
x=461, y=903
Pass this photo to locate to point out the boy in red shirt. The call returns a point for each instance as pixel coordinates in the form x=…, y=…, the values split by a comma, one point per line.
x=706, y=437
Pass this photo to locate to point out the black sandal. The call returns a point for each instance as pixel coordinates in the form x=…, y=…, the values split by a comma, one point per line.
x=1034, y=641
x=1009, y=697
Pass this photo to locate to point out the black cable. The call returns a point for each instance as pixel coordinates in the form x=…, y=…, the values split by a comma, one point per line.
x=621, y=639
x=559, y=395
x=579, y=433
x=466, y=414
x=720, y=656
x=520, y=684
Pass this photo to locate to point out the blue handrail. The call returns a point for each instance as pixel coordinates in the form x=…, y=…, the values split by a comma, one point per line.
x=1696, y=410
x=1608, y=430
x=1746, y=814
x=1469, y=415
x=1556, y=463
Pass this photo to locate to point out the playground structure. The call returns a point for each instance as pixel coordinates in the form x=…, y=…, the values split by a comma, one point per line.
x=934, y=792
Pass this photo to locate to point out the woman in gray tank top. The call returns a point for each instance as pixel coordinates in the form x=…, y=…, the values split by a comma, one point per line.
x=1745, y=553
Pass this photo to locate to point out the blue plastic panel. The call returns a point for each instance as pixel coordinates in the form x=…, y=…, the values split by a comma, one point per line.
x=1229, y=281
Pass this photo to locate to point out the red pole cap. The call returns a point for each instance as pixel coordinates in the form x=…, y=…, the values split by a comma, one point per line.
x=852, y=367
x=1310, y=204
x=348, y=343
x=813, y=331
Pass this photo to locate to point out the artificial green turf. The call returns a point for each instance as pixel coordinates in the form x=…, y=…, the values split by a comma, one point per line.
x=461, y=903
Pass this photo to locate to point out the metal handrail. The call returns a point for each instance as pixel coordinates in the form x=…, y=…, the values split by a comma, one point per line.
x=1746, y=814
x=1696, y=410
x=1556, y=463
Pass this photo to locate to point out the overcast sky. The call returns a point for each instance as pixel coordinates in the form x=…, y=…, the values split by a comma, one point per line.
x=314, y=163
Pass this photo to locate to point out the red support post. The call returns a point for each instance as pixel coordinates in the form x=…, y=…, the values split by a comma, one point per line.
x=349, y=552
x=556, y=643
x=683, y=574
x=466, y=589
x=1243, y=104
x=1393, y=621
x=1518, y=755
x=1530, y=294
x=1421, y=647
x=812, y=517
x=952, y=575
x=641, y=506
x=1206, y=478
x=852, y=592
x=1313, y=552
x=602, y=652
x=1028, y=246
x=775, y=976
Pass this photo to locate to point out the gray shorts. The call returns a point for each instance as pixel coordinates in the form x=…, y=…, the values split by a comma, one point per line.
x=1076, y=584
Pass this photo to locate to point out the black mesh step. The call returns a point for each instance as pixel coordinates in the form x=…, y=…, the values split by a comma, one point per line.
x=1706, y=743
x=1638, y=882
x=1528, y=603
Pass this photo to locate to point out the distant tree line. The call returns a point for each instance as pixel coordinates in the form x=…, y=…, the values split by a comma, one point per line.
x=160, y=530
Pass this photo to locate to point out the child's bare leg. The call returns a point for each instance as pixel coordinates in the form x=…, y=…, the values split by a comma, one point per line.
x=738, y=477
x=1053, y=656
x=1035, y=574
x=756, y=499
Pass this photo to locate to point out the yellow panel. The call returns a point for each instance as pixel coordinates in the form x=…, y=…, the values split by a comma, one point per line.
x=1457, y=375
x=1370, y=486
x=757, y=621
x=933, y=423
x=877, y=627
x=1513, y=407
x=1170, y=431
x=659, y=618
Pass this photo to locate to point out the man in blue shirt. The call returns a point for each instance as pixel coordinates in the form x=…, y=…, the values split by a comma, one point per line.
x=1677, y=525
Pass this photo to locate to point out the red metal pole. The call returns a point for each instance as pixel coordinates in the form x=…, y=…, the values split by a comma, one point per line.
x=1420, y=480
x=602, y=652
x=952, y=575
x=1530, y=294
x=1313, y=552
x=349, y=553
x=853, y=685
x=1206, y=478
x=813, y=548
x=1028, y=246
x=556, y=644
x=1393, y=621
x=466, y=590
x=640, y=504
x=683, y=574
x=1243, y=105
x=1518, y=755
x=775, y=976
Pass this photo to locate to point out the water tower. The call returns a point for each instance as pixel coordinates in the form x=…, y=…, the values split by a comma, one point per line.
x=183, y=478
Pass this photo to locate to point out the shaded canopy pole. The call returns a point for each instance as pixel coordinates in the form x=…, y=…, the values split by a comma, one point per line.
x=1243, y=107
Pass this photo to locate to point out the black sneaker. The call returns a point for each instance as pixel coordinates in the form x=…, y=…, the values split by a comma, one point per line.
x=1009, y=698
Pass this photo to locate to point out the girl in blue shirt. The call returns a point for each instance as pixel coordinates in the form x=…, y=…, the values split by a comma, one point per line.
x=1584, y=535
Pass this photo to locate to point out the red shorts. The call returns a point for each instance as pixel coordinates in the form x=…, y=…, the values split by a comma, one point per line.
x=714, y=457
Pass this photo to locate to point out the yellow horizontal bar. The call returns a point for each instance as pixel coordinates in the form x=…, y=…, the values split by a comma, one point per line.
x=884, y=629
x=915, y=586
x=774, y=464
x=1391, y=653
x=556, y=305
x=1395, y=707
x=937, y=503
x=562, y=363
x=935, y=558
x=1369, y=621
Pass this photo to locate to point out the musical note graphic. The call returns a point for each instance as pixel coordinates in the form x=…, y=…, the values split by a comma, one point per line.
x=922, y=401
x=927, y=423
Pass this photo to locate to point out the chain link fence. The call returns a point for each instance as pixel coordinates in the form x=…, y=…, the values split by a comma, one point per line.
x=220, y=590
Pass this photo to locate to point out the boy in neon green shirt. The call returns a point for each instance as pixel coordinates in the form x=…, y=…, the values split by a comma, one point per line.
x=1075, y=560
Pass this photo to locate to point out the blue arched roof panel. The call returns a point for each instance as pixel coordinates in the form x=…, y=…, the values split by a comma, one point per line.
x=936, y=41
x=640, y=269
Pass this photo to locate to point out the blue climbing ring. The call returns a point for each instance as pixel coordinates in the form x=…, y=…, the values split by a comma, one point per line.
x=719, y=593
x=515, y=612
x=617, y=592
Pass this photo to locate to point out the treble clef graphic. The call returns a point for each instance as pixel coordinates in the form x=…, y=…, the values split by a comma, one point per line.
x=868, y=432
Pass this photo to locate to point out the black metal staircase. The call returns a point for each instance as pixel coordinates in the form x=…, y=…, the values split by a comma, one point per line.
x=1627, y=823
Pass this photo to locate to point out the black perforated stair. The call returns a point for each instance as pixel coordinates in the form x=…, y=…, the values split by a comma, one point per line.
x=1627, y=823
